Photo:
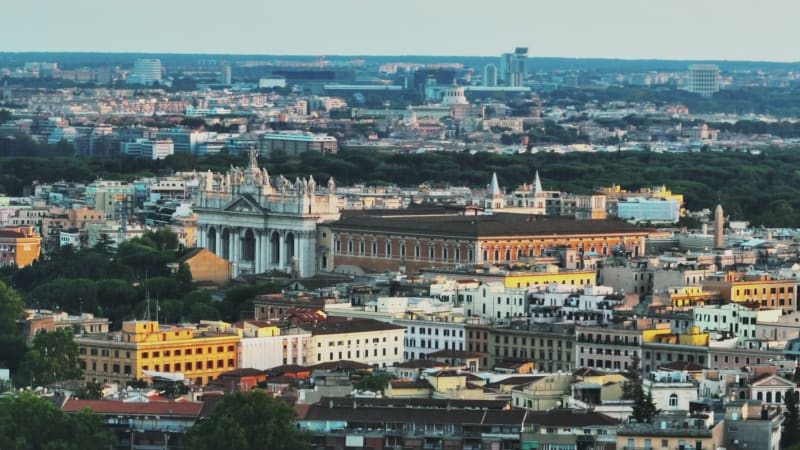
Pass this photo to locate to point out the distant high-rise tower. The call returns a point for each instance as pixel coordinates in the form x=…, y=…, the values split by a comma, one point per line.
x=6, y=96
x=704, y=79
x=514, y=67
x=719, y=224
x=146, y=71
x=225, y=74
x=490, y=75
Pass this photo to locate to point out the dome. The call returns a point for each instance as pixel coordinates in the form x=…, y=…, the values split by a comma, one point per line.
x=454, y=96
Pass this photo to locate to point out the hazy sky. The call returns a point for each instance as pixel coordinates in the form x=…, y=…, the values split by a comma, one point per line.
x=664, y=29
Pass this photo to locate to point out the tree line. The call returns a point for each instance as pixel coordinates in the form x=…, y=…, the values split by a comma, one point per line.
x=762, y=188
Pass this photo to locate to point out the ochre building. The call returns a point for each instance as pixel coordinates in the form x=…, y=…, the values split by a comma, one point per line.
x=145, y=346
x=387, y=240
x=19, y=246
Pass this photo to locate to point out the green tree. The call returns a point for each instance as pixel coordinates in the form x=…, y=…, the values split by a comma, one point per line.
x=644, y=408
x=28, y=421
x=634, y=378
x=184, y=277
x=91, y=391
x=164, y=238
x=12, y=343
x=105, y=245
x=11, y=308
x=374, y=382
x=54, y=357
x=251, y=420
x=791, y=422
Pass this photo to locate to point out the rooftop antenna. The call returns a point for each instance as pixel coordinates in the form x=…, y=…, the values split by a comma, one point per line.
x=147, y=297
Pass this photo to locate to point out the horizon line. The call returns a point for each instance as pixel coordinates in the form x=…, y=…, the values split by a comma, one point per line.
x=406, y=55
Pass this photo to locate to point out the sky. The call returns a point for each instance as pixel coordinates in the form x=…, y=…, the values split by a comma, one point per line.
x=764, y=30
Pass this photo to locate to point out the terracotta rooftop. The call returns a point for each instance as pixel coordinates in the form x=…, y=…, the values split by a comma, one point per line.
x=501, y=224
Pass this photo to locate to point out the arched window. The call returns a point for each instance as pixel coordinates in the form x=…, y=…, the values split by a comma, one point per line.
x=673, y=401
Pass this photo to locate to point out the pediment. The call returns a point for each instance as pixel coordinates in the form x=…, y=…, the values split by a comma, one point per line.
x=243, y=204
x=773, y=381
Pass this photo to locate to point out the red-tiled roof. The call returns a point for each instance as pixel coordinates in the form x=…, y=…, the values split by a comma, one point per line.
x=185, y=409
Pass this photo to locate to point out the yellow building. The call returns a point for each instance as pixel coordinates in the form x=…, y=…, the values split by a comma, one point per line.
x=19, y=246
x=760, y=288
x=664, y=335
x=684, y=298
x=408, y=389
x=453, y=384
x=146, y=346
x=542, y=393
x=574, y=277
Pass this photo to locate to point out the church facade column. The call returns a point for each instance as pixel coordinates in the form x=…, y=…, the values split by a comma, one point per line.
x=282, y=250
x=306, y=252
x=233, y=246
x=218, y=242
x=265, y=250
x=202, y=236
x=257, y=251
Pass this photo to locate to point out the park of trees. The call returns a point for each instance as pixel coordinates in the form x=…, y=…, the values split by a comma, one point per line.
x=763, y=188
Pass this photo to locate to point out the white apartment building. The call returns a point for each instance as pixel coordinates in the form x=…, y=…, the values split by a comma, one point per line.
x=431, y=325
x=672, y=391
x=266, y=352
x=704, y=79
x=735, y=318
x=150, y=149
x=146, y=71
x=367, y=341
x=492, y=301
x=558, y=302
x=431, y=333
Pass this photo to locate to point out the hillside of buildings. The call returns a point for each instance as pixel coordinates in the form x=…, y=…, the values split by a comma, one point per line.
x=428, y=253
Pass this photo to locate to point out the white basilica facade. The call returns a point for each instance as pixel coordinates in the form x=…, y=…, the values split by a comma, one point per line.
x=259, y=226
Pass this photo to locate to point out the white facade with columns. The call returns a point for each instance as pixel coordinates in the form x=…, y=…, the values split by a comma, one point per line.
x=259, y=226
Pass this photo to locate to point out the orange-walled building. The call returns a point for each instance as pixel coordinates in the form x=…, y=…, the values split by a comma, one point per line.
x=386, y=240
x=19, y=246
